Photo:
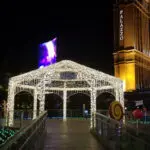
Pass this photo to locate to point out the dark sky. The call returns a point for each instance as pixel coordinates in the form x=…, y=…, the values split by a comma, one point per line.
x=85, y=35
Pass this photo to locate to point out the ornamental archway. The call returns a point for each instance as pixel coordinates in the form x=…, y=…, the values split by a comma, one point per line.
x=77, y=103
x=104, y=98
x=54, y=105
x=63, y=77
x=23, y=105
x=23, y=100
x=103, y=102
x=53, y=101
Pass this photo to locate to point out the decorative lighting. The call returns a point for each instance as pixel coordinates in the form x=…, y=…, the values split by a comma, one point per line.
x=35, y=105
x=64, y=103
x=46, y=80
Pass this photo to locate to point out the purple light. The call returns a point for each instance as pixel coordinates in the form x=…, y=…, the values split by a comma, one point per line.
x=47, y=53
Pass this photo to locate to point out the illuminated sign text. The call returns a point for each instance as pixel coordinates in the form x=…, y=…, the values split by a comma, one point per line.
x=121, y=25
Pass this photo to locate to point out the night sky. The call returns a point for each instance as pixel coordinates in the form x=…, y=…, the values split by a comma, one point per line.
x=85, y=35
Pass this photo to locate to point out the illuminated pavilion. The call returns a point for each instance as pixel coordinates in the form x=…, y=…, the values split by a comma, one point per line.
x=64, y=78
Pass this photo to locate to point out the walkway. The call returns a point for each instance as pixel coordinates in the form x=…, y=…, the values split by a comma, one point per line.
x=72, y=135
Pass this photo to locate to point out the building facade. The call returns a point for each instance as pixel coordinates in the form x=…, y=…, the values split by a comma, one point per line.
x=132, y=43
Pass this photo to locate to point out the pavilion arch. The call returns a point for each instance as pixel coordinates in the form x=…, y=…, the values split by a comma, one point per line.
x=57, y=96
x=19, y=90
x=58, y=93
x=77, y=102
x=63, y=76
x=103, y=101
x=24, y=93
x=71, y=93
x=110, y=91
x=23, y=101
x=78, y=94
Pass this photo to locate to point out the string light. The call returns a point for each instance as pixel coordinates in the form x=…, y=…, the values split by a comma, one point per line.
x=35, y=105
x=64, y=103
x=48, y=79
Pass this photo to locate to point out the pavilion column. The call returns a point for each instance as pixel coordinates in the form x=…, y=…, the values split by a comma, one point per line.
x=35, y=105
x=41, y=96
x=42, y=103
x=121, y=99
x=93, y=108
x=64, y=105
x=120, y=96
x=117, y=94
x=10, y=104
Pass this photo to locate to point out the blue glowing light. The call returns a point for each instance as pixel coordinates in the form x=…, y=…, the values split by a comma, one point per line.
x=47, y=53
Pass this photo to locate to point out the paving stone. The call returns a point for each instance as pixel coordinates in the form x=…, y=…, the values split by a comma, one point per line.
x=70, y=135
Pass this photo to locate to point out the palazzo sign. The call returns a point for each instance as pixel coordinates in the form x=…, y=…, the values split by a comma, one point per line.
x=121, y=25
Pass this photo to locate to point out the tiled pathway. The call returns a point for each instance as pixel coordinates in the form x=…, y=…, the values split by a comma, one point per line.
x=70, y=135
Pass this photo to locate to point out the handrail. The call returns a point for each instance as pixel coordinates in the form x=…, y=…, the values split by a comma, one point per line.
x=31, y=134
x=17, y=136
x=114, y=132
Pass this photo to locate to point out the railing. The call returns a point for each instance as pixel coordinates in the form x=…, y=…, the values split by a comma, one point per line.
x=23, y=117
x=114, y=135
x=71, y=113
x=30, y=137
x=19, y=117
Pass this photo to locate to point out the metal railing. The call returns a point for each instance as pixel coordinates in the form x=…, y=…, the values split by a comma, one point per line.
x=71, y=113
x=30, y=137
x=115, y=136
x=24, y=117
x=19, y=117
